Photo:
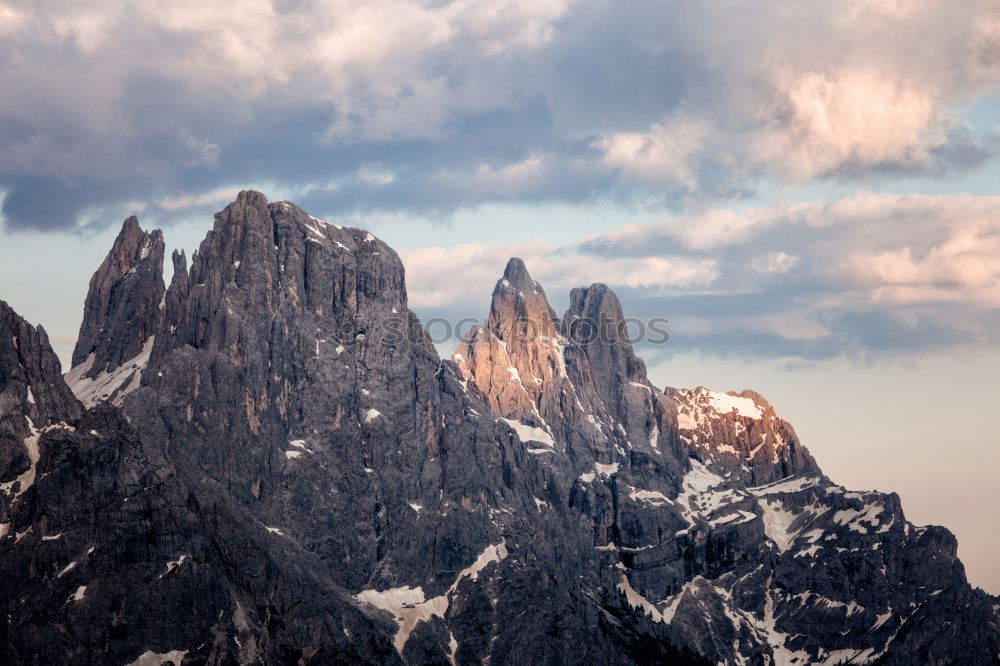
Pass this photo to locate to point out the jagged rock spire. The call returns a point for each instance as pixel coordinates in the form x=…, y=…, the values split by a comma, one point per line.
x=121, y=317
x=514, y=359
x=590, y=395
x=581, y=381
x=520, y=312
x=123, y=307
x=264, y=262
x=595, y=323
x=276, y=318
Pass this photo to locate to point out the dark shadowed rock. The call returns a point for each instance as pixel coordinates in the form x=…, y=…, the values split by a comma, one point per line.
x=33, y=397
x=595, y=322
x=122, y=313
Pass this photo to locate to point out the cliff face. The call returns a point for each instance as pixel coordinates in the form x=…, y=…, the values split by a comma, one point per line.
x=739, y=435
x=290, y=474
x=33, y=399
x=122, y=313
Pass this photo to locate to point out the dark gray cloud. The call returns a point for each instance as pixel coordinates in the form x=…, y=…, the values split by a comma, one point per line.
x=43, y=204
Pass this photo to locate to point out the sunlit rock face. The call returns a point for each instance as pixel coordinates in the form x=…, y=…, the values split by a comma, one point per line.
x=739, y=435
x=268, y=463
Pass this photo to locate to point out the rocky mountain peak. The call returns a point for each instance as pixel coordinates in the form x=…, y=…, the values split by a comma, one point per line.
x=287, y=481
x=268, y=261
x=261, y=263
x=242, y=236
x=122, y=313
x=33, y=397
x=553, y=383
x=516, y=357
x=520, y=312
x=516, y=273
x=123, y=302
x=580, y=382
x=739, y=435
x=596, y=323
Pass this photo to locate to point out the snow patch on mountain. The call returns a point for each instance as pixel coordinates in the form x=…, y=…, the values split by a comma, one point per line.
x=725, y=403
x=26, y=479
x=408, y=605
x=789, y=485
x=113, y=385
x=527, y=433
x=150, y=658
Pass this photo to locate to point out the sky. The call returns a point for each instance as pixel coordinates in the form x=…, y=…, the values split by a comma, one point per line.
x=810, y=192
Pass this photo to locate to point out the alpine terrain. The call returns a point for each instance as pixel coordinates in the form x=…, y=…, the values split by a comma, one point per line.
x=267, y=462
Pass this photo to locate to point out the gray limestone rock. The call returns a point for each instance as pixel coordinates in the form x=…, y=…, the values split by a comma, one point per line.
x=274, y=466
x=33, y=398
x=121, y=316
x=122, y=310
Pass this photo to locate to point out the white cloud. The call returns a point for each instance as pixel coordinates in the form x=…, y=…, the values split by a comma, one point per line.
x=963, y=265
x=202, y=151
x=707, y=230
x=836, y=89
x=378, y=65
x=375, y=174
x=664, y=155
x=463, y=276
x=799, y=126
x=214, y=198
x=775, y=262
x=503, y=25
x=850, y=118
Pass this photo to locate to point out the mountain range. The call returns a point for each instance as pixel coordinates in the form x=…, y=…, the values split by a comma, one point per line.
x=267, y=462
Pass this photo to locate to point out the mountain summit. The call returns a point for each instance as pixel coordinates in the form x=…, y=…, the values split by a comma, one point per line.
x=270, y=455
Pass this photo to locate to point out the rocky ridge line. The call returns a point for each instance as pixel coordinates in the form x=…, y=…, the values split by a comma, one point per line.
x=289, y=481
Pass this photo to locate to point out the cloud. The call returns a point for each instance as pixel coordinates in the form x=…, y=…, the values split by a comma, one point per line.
x=216, y=198
x=42, y=204
x=864, y=276
x=662, y=155
x=800, y=126
x=432, y=283
x=963, y=267
x=463, y=103
x=837, y=91
x=851, y=119
x=775, y=262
